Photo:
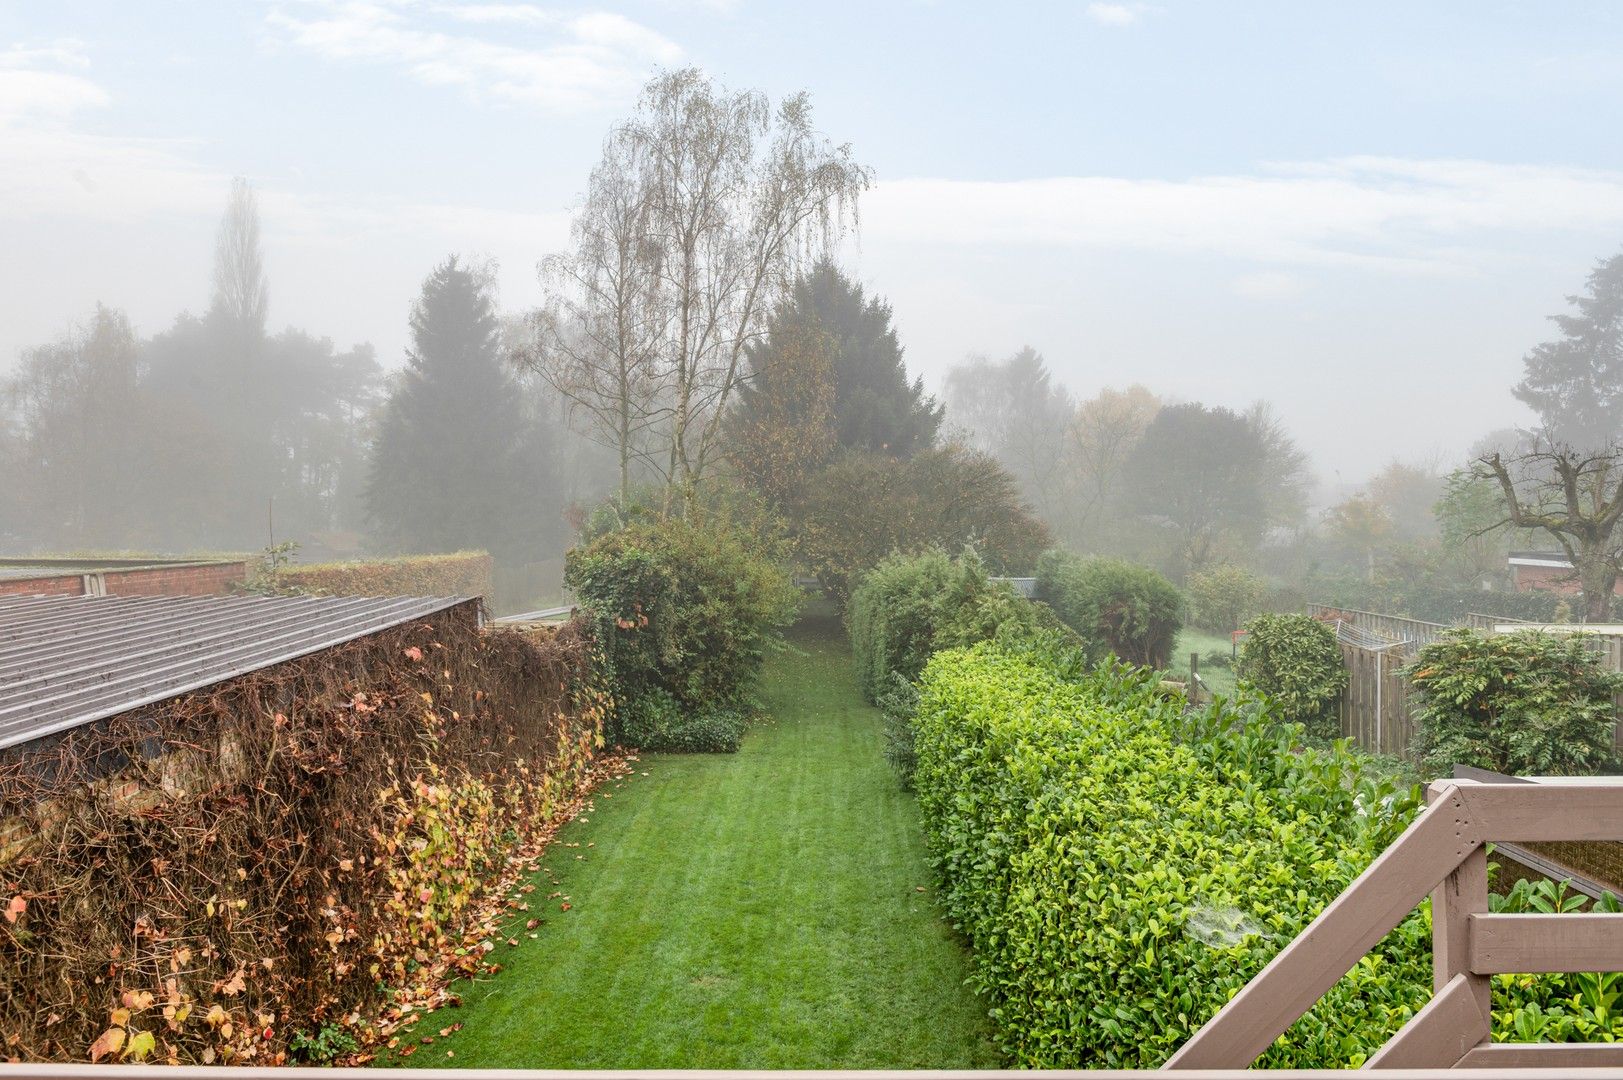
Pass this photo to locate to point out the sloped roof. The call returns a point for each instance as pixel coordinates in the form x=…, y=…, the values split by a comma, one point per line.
x=66, y=661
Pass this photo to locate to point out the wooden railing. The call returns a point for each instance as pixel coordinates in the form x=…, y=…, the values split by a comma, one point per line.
x=1443, y=853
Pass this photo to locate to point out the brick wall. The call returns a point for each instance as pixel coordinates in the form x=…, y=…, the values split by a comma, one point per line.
x=177, y=579
x=1556, y=579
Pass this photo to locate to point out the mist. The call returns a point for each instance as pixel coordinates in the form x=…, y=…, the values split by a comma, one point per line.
x=1362, y=286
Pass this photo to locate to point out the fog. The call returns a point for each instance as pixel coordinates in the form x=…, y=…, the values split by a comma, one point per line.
x=1363, y=219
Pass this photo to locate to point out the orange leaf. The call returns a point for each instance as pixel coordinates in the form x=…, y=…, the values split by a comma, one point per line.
x=16, y=907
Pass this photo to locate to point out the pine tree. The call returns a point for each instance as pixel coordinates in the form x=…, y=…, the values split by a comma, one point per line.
x=876, y=408
x=1575, y=384
x=455, y=465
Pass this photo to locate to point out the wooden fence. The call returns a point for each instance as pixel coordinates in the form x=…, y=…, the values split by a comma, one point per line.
x=1375, y=709
x=1443, y=853
x=1390, y=627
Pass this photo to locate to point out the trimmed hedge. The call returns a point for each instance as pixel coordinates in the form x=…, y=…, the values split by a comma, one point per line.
x=462, y=573
x=1116, y=606
x=1121, y=870
x=1441, y=605
x=910, y=606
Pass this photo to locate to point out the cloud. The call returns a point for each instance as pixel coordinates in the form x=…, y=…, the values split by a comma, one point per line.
x=568, y=62
x=32, y=87
x=1115, y=14
x=1383, y=214
x=1267, y=285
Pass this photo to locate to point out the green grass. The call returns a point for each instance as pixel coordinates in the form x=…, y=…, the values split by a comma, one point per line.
x=750, y=911
x=1218, y=680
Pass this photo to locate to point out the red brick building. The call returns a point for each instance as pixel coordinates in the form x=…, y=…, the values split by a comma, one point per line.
x=1548, y=571
x=138, y=576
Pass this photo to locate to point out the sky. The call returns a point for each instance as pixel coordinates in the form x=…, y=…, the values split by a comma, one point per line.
x=1363, y=213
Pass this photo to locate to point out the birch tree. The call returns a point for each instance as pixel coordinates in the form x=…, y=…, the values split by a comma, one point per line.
x=706, y=207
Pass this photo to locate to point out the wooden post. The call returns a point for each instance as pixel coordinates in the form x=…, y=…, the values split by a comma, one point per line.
x=1194, y=678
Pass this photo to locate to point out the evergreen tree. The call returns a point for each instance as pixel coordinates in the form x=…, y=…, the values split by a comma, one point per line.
x=455, y=465
x=1575, y=383
x=876, y=408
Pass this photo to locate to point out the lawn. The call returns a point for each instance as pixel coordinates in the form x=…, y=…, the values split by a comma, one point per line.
x=753, y=911
x=1219, y=680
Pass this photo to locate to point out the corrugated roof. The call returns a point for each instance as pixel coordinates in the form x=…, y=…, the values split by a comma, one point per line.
x=71, y=660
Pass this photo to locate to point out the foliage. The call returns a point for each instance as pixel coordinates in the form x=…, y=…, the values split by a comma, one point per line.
x=866, y=506
x=199, y=879
x=899, y=702
x=1520, y=703
x=1121, y=870
x=1214, y=478
x=1575, y=383
x=460, y=573
x=1561, y=1007
x=656, y=721
x=1295, y=661
x=909, y=607
x=1115, y=606
x=1098, y=445
x=456, y=464
x=1223, y=597
x=781, y=431
x=1015, y=411
x=688, y=608
x=327, y=1044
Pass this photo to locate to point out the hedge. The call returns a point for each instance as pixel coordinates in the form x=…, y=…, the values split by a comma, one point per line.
x=1120, y=871
x=909, y=606
x=462, y=573
x=1116, y=606
x=1443, y=605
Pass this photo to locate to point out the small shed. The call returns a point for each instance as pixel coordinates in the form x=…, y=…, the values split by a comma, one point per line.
x=68, y=661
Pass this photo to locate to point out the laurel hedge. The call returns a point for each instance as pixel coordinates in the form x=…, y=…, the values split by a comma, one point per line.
x=1121, y=868
x=461, y=573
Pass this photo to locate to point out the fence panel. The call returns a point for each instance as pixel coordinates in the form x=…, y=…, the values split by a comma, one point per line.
x=1375, y=711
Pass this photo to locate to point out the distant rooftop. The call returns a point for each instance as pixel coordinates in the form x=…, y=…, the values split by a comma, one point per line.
x=66, y=661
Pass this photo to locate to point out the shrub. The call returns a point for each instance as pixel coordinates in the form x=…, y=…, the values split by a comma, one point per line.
x=464, y=573
x=1441, y=604
x=1120, y=870
x=1224, y=597
x=686, y=609
x=910, y=606
x=657, y=721
x=1296, y=662
x=1115, y=606
x=1526, y=702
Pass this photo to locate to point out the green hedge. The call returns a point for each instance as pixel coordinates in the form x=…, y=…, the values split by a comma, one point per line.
x=1442, y=605
x=1117, y=607
x=910, y=606
x=1121, y=870
x=462, y=573
x=683, y=610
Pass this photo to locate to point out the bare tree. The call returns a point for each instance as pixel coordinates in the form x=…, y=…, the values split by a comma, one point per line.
x=706, y=206
x=597, y=339
x=1577, y=497
x=240, y=291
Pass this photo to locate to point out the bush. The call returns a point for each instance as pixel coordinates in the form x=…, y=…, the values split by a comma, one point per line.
x=464, y=573
x=1121, y=870
x=1296, y=662
x=1526, y=702
x=1443, y=605
x=1115, y=606
x=657, y=721
x=1224, y=597
x=908, y=607
x=683, y=609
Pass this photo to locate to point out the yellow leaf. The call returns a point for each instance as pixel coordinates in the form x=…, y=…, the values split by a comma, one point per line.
x=106, y=1043
x=120, y=1018
x=141, y=1045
